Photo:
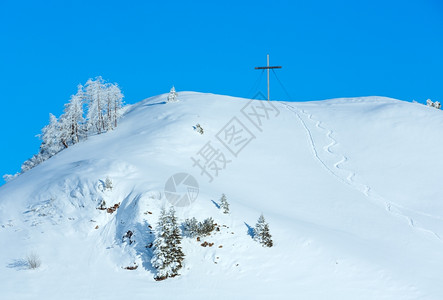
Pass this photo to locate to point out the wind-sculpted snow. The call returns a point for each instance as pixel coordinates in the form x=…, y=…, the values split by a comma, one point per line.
x=350, y=189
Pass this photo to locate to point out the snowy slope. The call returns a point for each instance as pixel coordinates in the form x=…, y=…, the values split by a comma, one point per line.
x=351, y=189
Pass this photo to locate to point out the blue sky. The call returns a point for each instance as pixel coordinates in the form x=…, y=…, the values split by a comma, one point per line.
x=328, y=49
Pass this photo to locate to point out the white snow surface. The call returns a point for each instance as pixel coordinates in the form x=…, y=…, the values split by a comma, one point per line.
x=351, y=189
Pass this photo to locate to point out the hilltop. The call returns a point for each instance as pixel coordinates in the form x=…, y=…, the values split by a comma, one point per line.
x=351, y=189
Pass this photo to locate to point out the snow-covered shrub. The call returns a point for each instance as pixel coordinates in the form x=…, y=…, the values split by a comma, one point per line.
x=9, y=177
x=172, y=97
x=206, y=227
x=108, y=184
x=168, y=255
x=33, y=261
x=102, y=205
x=192, y=228
x=261, y=232
x=198, y=128
x=224, y=205
x=32, y=162
x=435, y=104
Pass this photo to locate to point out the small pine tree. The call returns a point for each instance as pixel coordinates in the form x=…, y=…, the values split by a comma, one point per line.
x=261, y=232
x=172, y=97
x=168, y=256
x=224, y=204
x=161, y=258
x=176, y=238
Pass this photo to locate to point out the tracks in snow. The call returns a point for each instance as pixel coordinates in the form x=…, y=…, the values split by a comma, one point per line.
x=347, y=176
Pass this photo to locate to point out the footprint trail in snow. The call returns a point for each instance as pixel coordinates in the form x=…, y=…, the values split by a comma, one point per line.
x=347, y=176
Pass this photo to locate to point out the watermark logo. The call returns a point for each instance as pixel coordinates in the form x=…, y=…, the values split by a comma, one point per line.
x=235, y=136
x=181, y=189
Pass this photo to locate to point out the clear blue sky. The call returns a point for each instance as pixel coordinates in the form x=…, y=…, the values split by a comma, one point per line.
x=328, y=49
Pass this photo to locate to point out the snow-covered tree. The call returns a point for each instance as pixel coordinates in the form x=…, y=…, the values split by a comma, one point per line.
x=261, y=232
x=9, y=177
x=51, y=138
x=117, y=96
x=435, y=104
x=32, y=162
x=168, y=255
x=176, y=238
x=51, y=144
x=95, y=95
x=172, y=97
x=72, y=121
x=104, y=102
x=224, y=205
x=114, y=104
x=108, y=184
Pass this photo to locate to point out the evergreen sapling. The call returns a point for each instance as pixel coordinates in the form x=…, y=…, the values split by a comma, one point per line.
x=261, y=232
x=224, y=205
x=168, y=255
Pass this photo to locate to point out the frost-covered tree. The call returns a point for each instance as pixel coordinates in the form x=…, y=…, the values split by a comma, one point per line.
x=168, y=255
x=95, y=96
x=51, y=144
x=261, y=232
x=117, y=96
x=51, y=138
x=9, y=177
x=104, y=102
x=224, y=205
x=114, y=104
x=72, y=121
x=172, y=97
x=32, y=162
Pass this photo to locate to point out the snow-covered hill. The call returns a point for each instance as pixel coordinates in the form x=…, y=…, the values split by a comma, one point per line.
x=351, y=189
